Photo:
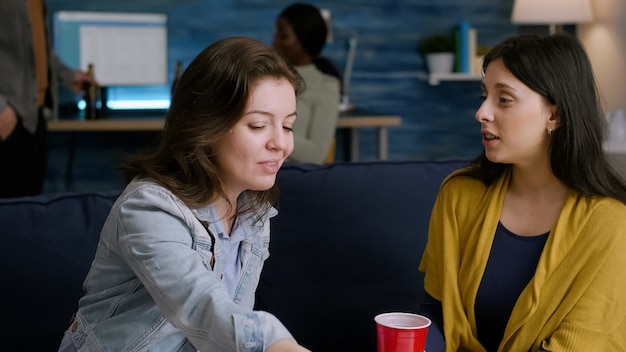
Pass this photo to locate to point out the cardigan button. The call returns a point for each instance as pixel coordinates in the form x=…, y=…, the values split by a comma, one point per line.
x=74, y=326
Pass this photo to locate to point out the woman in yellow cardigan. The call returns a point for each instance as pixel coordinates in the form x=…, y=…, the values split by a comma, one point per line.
x=527, y=245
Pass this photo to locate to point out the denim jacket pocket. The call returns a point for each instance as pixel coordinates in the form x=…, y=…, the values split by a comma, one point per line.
x=205, y=246
x=205, y=249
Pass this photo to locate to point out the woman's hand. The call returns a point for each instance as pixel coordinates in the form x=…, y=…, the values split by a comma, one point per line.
x=80, y=79
x=286, y=345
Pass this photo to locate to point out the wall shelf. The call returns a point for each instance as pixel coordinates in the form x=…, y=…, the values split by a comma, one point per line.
x=435, y=78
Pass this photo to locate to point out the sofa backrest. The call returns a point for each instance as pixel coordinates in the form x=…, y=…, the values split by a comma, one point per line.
x=48, y=243
x=346, y=246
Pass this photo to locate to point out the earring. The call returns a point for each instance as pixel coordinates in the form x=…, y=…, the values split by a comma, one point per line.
x=549, y=131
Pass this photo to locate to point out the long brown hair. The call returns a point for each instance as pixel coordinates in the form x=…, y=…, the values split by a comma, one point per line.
x=209, y=99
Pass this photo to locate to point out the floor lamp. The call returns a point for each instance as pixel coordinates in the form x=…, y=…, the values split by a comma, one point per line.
x=555, y=13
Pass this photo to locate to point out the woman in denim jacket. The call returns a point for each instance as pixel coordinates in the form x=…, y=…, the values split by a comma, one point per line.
x=181, y=252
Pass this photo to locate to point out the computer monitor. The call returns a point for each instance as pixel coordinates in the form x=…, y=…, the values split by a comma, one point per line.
x=127, y=49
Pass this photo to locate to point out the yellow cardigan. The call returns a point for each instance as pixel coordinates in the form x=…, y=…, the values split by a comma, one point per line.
x=576, y=300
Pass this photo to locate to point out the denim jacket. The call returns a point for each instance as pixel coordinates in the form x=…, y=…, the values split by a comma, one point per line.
x=155, y=283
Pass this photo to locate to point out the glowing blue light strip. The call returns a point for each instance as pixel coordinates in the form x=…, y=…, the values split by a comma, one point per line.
x=132, y=104
x=138, y=104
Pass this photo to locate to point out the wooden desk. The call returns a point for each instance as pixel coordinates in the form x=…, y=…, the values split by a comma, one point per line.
x=349, y=121
x=380, y=122
x=106, y=125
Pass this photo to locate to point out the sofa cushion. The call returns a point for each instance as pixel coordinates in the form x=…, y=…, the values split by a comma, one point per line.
x=48, y=243
x=346, y=246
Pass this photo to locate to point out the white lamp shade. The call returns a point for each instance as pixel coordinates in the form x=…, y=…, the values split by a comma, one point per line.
x=551, y=11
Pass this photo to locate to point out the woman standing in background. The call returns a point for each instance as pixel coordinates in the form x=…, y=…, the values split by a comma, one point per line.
x=299, y=36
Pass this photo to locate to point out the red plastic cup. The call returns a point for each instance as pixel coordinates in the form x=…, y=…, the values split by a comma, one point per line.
x=401, y=332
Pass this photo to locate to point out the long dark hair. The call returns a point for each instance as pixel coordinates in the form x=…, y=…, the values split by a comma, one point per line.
x=311, y=30
x=557, y=68
x=209, y=99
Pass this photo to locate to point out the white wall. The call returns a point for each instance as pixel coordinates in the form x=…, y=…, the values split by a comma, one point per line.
x=605, y=41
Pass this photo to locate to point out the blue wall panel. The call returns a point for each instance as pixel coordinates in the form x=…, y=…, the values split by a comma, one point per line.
x=389, y=75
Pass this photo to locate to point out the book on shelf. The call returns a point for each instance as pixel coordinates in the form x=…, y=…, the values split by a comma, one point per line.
x=466, y=44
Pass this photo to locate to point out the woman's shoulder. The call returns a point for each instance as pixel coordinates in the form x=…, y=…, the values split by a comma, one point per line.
x=460, y=179
x=606, y=210
x=145, y=185
x=460, y=188
x=330, y=81
x=315, y=77
x=599, y=222
x=148, y=192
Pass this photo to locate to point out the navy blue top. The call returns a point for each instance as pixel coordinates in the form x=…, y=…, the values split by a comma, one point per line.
x=511, y=264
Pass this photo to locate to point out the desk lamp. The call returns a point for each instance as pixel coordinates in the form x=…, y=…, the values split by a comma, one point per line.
x=552, y=12
x=344, y=104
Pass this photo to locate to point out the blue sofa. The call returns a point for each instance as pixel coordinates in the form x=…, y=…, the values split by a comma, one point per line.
x=345, y=246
